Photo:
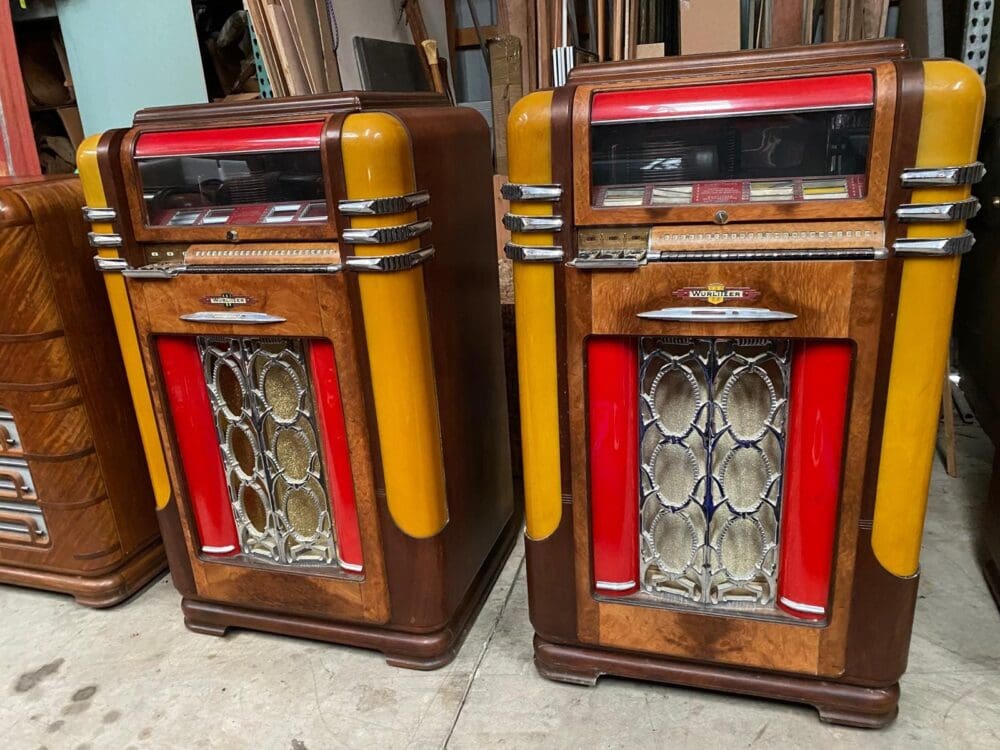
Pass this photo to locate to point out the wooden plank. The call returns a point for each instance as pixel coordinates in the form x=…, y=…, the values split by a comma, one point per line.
x=786, y=23
x=330, y=66
x=288, y=58
x=305, y=26
x=543, y=40
x=467, y=37
x=255, y=9
x=505, y=90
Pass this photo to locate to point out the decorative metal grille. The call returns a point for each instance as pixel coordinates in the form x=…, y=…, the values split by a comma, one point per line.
x=712, y=446
x=260, y=393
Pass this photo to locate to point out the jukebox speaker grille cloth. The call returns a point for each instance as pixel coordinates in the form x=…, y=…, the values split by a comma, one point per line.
x=260, y=394
x=712, y=446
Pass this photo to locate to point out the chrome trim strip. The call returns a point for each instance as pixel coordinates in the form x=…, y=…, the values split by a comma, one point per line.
x=513, y=191
x=934, y=246
x=609, y=259
x=533, y=253
x=810, y=608
x=955, y=211
x=104, y=240
x=110, y=265
x=717, y=314
x=169, y=271
x=386, y=235
x=99, y=214
x=239, y=318
x=389, y=263
x=608, y=586
x=519, y=223
x=693, y=256
x=218, y=550
x=396, y=204
x=966, y=174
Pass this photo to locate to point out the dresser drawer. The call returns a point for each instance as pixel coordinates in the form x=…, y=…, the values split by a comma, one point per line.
x=27, y=304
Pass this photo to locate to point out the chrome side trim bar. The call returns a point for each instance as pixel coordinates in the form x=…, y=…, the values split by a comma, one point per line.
x=518, y=192
x=396, y=204
x=386, y=235
x=609, y=259
x=956, y=211
x=239, y=318
x=934, y=246
x=533, y=253
x=966, y=174
x=519, y=223
x=110, y=265
x=389, y=263
x=99, y=214
x=104, y=240
x=717, y=314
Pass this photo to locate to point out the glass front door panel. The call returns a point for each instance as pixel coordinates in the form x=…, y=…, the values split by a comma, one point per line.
x=284, y=187
x=262, y=440
x=798, y=156
x=713, y=430
x=737, y=447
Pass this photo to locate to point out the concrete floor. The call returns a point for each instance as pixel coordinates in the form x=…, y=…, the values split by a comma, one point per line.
x=133, y=677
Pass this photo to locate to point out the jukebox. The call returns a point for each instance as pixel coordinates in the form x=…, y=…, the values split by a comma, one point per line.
x=305, y=291
x=733, y=280
x=76, y=511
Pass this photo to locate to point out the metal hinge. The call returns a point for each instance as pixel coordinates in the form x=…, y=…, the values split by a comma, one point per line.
x=386, y=235
x=515, y=192
x=396, y=204
x=533, y=253
x=610, y=259
x=955, y=211
x=966, y=174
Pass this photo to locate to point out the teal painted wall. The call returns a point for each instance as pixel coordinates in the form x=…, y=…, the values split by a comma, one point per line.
x=130, y=54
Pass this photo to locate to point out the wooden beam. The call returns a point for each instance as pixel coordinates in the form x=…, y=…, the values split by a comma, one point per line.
x=467, y=37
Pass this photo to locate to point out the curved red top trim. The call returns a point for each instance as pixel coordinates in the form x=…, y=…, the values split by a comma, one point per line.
x=240, y=140
x=850, y=90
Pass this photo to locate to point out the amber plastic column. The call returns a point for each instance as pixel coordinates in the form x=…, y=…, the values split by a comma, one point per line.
x=121, y=311
x=378, y=163
x=949, y=136
x=529, y=134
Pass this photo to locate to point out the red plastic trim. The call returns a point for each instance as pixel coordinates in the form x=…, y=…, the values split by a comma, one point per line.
x=821, y=372
x=826, y=92
x=198, y=445
x=333, y=432
x=290, y=136
x=613, y=406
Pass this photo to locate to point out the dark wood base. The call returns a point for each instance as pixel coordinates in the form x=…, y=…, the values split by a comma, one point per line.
x=837, y=703
x=101, y=591
x=992, y=575
x=423, y=651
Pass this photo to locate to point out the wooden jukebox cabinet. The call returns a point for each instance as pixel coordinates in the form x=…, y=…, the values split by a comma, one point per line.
x=733, y=279
x=76, y=509
x=321, y=388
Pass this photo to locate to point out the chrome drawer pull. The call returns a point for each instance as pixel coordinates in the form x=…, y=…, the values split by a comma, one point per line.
x=396, y=204
x=386, y=235
x=519, y=223
x=514, y=192
x=957, y=211
x=966, y=174
x=239, y=318
x=717, y=314
x=934, y=246
x=533, y=253
x=99, y=214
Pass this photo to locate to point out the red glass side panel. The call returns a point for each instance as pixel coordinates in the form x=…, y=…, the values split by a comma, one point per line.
x=821, y=372
x=198, y=444
x=613, y=406
x=844, y=91
x=330, y=417
x=284, y=137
